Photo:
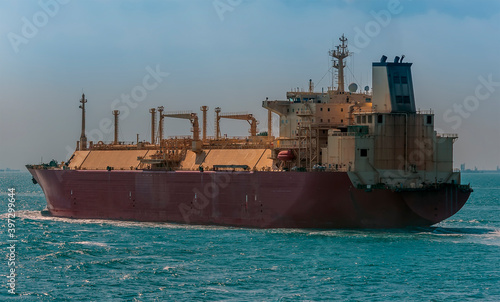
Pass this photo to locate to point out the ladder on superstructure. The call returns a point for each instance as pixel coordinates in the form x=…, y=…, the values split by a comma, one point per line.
x=308, y=139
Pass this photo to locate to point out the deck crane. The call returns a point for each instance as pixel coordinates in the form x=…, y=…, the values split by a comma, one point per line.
x=193, y=118
x=239, y=116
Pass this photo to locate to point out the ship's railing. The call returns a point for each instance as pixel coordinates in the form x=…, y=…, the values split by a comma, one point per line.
x=289, y=144
x=224, y=138
x=323, y=168
x=237, y=146
x=368, y=111
x=335, y=90
x=375, y=110
x=178, y=137
x=177, y=112
x=111, y=145
x=325, y=125
x=430, y=111
x=100, y=143
x=450, y=135
x=226, y=114
x=345, y=134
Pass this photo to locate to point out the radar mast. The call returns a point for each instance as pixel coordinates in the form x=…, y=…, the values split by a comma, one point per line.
x=338, y=57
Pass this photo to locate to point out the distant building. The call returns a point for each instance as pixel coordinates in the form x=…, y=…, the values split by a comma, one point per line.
x=462, y=167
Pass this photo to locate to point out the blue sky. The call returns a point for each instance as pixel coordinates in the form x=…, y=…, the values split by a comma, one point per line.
x=234, y=58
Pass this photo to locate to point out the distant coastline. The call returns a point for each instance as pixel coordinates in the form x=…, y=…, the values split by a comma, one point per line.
x=475, y=170
x=9, y=170
x=480, y=171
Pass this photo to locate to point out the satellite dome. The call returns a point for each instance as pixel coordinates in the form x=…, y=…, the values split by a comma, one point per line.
x=353, y=87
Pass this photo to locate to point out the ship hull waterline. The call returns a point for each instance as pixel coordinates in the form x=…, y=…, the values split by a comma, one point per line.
x=323, y=200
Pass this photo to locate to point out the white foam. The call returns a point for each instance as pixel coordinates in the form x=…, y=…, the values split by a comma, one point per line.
x=36, y=215
x=217, y=289
x=91, y=243
x=492, y=238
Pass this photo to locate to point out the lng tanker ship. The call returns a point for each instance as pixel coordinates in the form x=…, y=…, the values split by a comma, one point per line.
x=342, y=159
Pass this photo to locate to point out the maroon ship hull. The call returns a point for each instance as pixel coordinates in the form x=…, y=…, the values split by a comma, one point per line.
x=243, y=199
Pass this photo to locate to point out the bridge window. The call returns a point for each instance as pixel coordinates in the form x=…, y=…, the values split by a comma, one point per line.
x=358, y=119
x=406, y=99
x=399, y=99
x=380, y=119
x=363, y=152
x=369, y=119
x=429, y=119
x=395, y=79
x=364, y=119
x=404, y=80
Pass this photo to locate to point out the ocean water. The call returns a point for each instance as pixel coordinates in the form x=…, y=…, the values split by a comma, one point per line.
x=96, y=260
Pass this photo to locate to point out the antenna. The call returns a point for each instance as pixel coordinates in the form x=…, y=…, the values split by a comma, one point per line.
x=116, y=113
x=204, y=109
x=270, y=122
x=217, y=125
x=83, y=137
x=160, y=125
x=153, y=124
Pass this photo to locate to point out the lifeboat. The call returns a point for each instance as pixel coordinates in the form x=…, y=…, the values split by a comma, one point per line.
x=286, y=155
